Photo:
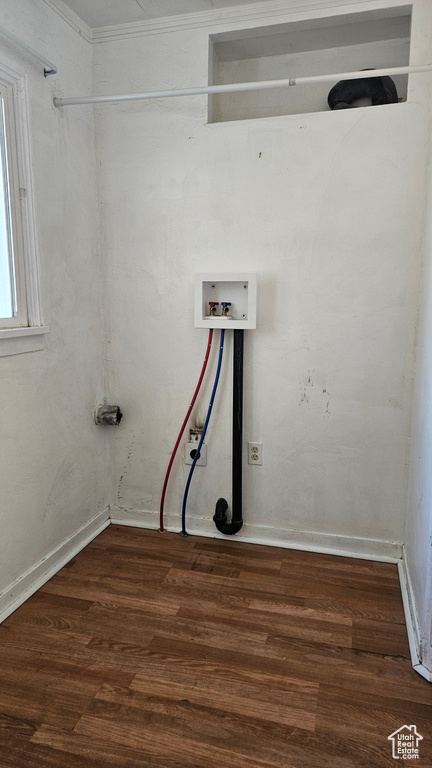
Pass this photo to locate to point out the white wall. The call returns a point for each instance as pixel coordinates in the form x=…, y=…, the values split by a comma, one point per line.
x=52, y=457
x=418, y=535
x=328, y=209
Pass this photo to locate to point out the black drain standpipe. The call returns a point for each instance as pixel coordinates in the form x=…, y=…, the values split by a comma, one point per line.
x=220, y=516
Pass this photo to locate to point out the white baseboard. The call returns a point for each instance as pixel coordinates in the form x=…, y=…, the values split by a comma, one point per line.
x=332, y=544
x=17, y=593
x=413, y=629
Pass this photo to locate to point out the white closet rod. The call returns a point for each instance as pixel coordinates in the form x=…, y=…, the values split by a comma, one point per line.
x=235, y=87
x=49, y=67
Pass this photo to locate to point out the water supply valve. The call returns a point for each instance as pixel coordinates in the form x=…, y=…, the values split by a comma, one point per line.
x=213, y=305
x=225, y=308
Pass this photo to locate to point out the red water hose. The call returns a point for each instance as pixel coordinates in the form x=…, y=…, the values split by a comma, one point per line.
x=198, y=387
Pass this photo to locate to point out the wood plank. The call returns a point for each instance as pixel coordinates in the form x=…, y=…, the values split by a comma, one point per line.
x=36, y=638
x=316, y=586
x=294, y=625
x=355, y=579
x=237, y=561
x=375, y=607
x=338, y=563
x=104, y=594
x=287, y=609
x=380, y=637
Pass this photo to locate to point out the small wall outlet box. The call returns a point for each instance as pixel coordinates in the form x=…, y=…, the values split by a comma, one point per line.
x=190, y=450
x=108, y=415
x=237, y=289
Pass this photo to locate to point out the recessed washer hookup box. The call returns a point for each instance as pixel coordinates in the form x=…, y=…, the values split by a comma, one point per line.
x=224, y=300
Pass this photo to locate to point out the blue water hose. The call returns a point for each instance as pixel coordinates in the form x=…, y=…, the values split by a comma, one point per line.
x=197, y=454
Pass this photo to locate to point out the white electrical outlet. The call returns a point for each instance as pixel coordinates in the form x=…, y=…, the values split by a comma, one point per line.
x=255, y=453
x=190, y=449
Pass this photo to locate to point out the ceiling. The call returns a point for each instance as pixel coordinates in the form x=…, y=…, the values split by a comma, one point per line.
x=104, y=13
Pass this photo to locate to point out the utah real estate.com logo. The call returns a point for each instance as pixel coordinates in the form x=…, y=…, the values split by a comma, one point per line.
x=405, y=743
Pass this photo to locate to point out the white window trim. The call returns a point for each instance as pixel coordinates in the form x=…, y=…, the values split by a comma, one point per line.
x=29, y=338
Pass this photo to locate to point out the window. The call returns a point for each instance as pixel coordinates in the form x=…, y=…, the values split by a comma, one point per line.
x=13, y=306
x=21, y=329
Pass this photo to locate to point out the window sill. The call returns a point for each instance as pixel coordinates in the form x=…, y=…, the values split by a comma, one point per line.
x=15, y=341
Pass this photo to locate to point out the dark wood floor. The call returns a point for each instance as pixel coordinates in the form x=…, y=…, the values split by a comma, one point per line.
x=151, y=650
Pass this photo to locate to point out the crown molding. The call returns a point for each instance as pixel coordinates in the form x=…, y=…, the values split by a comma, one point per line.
x=263, y=11
x=241, y=14
x=71, y=18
